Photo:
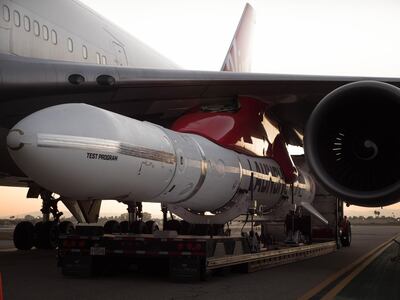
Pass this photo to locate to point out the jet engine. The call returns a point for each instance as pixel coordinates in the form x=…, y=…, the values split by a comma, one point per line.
x=352, y=143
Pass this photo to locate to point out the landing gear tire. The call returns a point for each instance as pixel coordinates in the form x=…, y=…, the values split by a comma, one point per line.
x=24, y=235
x=112, y=226
x=66, y=227
x=36, y=240
x=46, y=235
x=151, y=226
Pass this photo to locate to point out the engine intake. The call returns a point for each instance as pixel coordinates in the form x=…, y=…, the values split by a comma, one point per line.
x=352, y=143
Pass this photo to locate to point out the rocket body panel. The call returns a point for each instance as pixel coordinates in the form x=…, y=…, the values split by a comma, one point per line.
x=217, y=173
x=268, y=182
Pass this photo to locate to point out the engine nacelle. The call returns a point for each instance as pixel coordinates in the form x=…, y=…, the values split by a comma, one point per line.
x=352, y=143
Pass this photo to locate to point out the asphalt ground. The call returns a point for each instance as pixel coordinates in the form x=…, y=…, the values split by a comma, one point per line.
x=34, y=275
x=379, y=280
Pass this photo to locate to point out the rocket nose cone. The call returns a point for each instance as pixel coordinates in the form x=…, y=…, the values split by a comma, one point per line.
x=14, y=139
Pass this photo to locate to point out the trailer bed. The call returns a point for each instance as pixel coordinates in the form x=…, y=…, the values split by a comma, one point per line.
x=187, y=257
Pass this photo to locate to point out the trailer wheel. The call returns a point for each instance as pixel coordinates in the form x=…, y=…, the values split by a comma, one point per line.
x=218, y=229
x=151, y=226
x=201, y=229
x=124, y=226
x=66, y=227
x=173, y=225
x=23, y=235
x=139, y=227
x=112, y=226
x=185, y=228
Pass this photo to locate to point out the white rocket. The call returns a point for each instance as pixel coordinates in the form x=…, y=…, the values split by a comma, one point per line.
x=83, y=152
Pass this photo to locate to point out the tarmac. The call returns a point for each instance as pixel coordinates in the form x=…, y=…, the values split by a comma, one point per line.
x=34, y=275
x=379, y=280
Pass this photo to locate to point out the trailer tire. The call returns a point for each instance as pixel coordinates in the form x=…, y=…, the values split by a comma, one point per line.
x=139, y=227
x=124, y=226
x=201, y=229
x=151, y=226
x=185, y=228
x=23, y=235
x=66, y=227
x=173, y=225
x=112, y=226
x=217, y=229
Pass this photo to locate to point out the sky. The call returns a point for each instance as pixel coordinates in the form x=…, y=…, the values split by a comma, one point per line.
x=341, y=37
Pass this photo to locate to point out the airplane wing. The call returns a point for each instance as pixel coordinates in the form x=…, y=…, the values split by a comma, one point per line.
x=161, y=96
x=158, y=96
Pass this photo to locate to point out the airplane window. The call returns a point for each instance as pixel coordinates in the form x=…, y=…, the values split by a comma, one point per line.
x=70, y=45
x=27, y=23
x=54, y=37
x=17, y=18
x=98, y=58
x=6, y=13
x=36, y=28
x=84, y=52
x=104, y=60
x=45, y=32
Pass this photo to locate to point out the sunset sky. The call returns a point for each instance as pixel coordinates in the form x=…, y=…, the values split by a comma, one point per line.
x=296, y=37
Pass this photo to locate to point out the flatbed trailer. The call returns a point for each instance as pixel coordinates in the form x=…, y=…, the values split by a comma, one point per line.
x=187, y=258
x=89, y=251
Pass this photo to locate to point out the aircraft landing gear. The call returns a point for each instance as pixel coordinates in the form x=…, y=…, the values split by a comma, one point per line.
x=44, y=234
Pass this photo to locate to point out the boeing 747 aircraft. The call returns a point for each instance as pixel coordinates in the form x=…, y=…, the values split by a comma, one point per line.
x=88, y=112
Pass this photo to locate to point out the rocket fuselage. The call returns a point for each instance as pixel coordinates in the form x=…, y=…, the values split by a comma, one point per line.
x=84, y=152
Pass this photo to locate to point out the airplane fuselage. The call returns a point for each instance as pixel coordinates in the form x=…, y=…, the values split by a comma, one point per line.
x=70, y=31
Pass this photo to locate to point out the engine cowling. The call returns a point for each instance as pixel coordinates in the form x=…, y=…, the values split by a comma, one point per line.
x=352, y=143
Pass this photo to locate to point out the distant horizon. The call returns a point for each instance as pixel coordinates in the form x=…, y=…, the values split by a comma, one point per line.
x=18, y=205
x=67, y=214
